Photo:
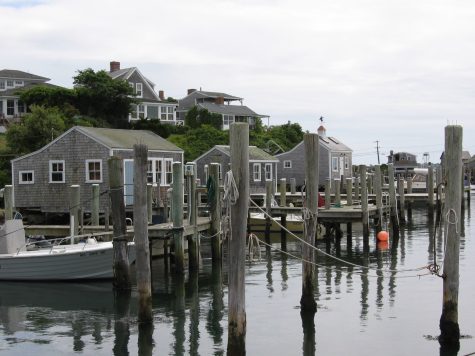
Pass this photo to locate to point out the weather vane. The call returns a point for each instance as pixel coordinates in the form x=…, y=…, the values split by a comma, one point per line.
x=321, y=119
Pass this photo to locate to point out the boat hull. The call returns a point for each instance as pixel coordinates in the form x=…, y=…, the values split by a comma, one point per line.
x=73, y=262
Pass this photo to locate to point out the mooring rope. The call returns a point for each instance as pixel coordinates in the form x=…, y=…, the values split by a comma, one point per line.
x=334, y=257
x=253, y=244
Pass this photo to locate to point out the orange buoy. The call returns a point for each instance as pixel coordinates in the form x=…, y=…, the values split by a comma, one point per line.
x=382, y=236
x=383, y=245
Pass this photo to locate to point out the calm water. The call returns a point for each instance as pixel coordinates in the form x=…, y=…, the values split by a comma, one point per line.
x=358, y=313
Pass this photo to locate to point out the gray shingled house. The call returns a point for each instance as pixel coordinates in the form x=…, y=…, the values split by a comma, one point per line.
x=335, y=160
x=262, y=166
x=41, y=179
x=218, y=103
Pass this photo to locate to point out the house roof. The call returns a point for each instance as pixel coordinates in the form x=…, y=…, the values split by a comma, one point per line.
x=126, y=139
x=255, y=153
x=215, y=94
x=125, y=73
x=116, y=139
x=18, y=74
x=330, y=143
x=237, y=110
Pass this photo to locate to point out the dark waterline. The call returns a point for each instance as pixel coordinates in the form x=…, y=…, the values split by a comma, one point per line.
x=360, y=312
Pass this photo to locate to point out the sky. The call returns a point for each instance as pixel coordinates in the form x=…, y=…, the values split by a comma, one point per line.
x=391, y=71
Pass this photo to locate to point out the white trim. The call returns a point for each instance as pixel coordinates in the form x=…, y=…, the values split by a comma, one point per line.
x=50, y=171
x=287, y=161
x=254, y=171
x=21, y=181
x=156, y=151
x=145, y=80
x=87, y=170
x=333, y=168
x=137, y=90
x=265, y=171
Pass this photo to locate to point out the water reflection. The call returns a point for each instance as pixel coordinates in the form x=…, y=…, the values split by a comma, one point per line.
x=216, y=312
x=121, y=322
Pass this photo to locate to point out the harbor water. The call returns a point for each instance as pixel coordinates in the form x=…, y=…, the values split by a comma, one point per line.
x=360, y=311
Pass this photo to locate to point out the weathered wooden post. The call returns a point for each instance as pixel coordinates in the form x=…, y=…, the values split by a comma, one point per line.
x=293, y=185
x=370, y=184
x=393, y=201
x=327, y=193
x=283, y=215
x=402, y=199
x=269, y=196
x=215, y=205
x=307, y=301
x=378, y=190
x=364, y=206
x=95, y=205
x=337, y=193
x=349, y=191
x=409, y=202
x=357, y=187
x=449, y=327
x=177, y=216
x=439, y=189
x=193, y=240
x=239, y=147
x=430, y=188
x=144, y=285
x=8, y=194
x=149, y=202
x=74, y=207
x=409, y=184
x=283, y=192
x=119, y=241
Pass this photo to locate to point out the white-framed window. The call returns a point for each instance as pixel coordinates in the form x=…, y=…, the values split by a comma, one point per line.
x=9, y=83
x=256, y=172
x=206, y=168
x=268, y=171
x=18, y=83
x=170, y=111
x=347, y=162
x=220, y=171
x=152, y=112
x=93, y=171
x=138, y=90
x=168, y=171
x=227, y=120
x=10, y=107
x=26, y=177
x=2, y=85
x=288, y=164
x=56, y=171
x=140, y=111
x=155, y=170
x=335, y=164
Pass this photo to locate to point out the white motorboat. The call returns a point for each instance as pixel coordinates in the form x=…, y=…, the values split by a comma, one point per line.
x=62, y=261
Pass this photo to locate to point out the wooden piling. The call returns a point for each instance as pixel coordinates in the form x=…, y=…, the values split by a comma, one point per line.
x=402, y=198
x=393, y=201
x=349, y=191
x=177, y=217
x=449, y=327
x=293, y=186
x=215, y=205
x=74, y=207
x=357, y=187
x=327, y=193
x=239, y=149
x=371, y=184
x=149, y=202
x=378, y=190
x=144, y=285
x=8, y=198
x=95, y=205
x=283, y=216
x=283, y=192
x=119, y=241
x=194, y=239
x=364, y=205
x=307, y=301
x=269, y=197
x=409, y=184
x=337, y=193
x=430, y=187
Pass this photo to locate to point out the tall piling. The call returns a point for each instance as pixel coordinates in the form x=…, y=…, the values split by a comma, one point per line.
x=307, y=301
x=402, y=198
x=95, y=205
x=430, y=190
x=364, y=206
x=327, y=193
x=119, y=241
x=193, y=239
x=393, y=201
x=177, y=216
x=293, y=185
x=215, y=205
x=144, y=284
x=74, y=208
x=337, y=192
x=283, y=216
x=449, y=327
x=349, y=191
x=239, y=149
x=283, y=192
x=357, y=187
x=149, y=202
x=378, y=190
x=8, y=199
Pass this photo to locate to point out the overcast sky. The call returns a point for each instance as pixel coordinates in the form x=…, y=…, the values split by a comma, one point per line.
x=393, y=71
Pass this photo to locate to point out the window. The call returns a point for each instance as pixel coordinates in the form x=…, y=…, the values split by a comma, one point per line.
x=287, y=164
x=21, y=107
x=227, y=120
x=152, y=112
x=26, y=177
x=93, y=171
x=220, y=171
x=10, y=107
x=168, y=171
x=56, y=172
x=140, y=111
x=347, y=162
x=18, y=83
x=206, y=173
x=155, y=170
x=138, y=89
x=256, y=172
x=335, y=164
x=2, y=84
x=9, y=83
x=166, y=113
x=268, y=171
x=170, y=112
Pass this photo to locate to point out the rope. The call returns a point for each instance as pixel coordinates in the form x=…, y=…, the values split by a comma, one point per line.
x=334, y=257
x=253, y=245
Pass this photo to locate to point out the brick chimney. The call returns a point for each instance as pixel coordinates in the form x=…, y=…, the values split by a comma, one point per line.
x=161, y=94
x=219, y=100
x=114, y=66
x=191, y=91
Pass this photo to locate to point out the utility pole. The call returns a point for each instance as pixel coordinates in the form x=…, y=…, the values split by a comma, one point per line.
x=377, y=150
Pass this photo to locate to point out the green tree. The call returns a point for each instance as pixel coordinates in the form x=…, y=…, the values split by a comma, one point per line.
x=197, y=117
x=101, y=97
x=35, y=130
x=50, y=96
x=154, y=125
